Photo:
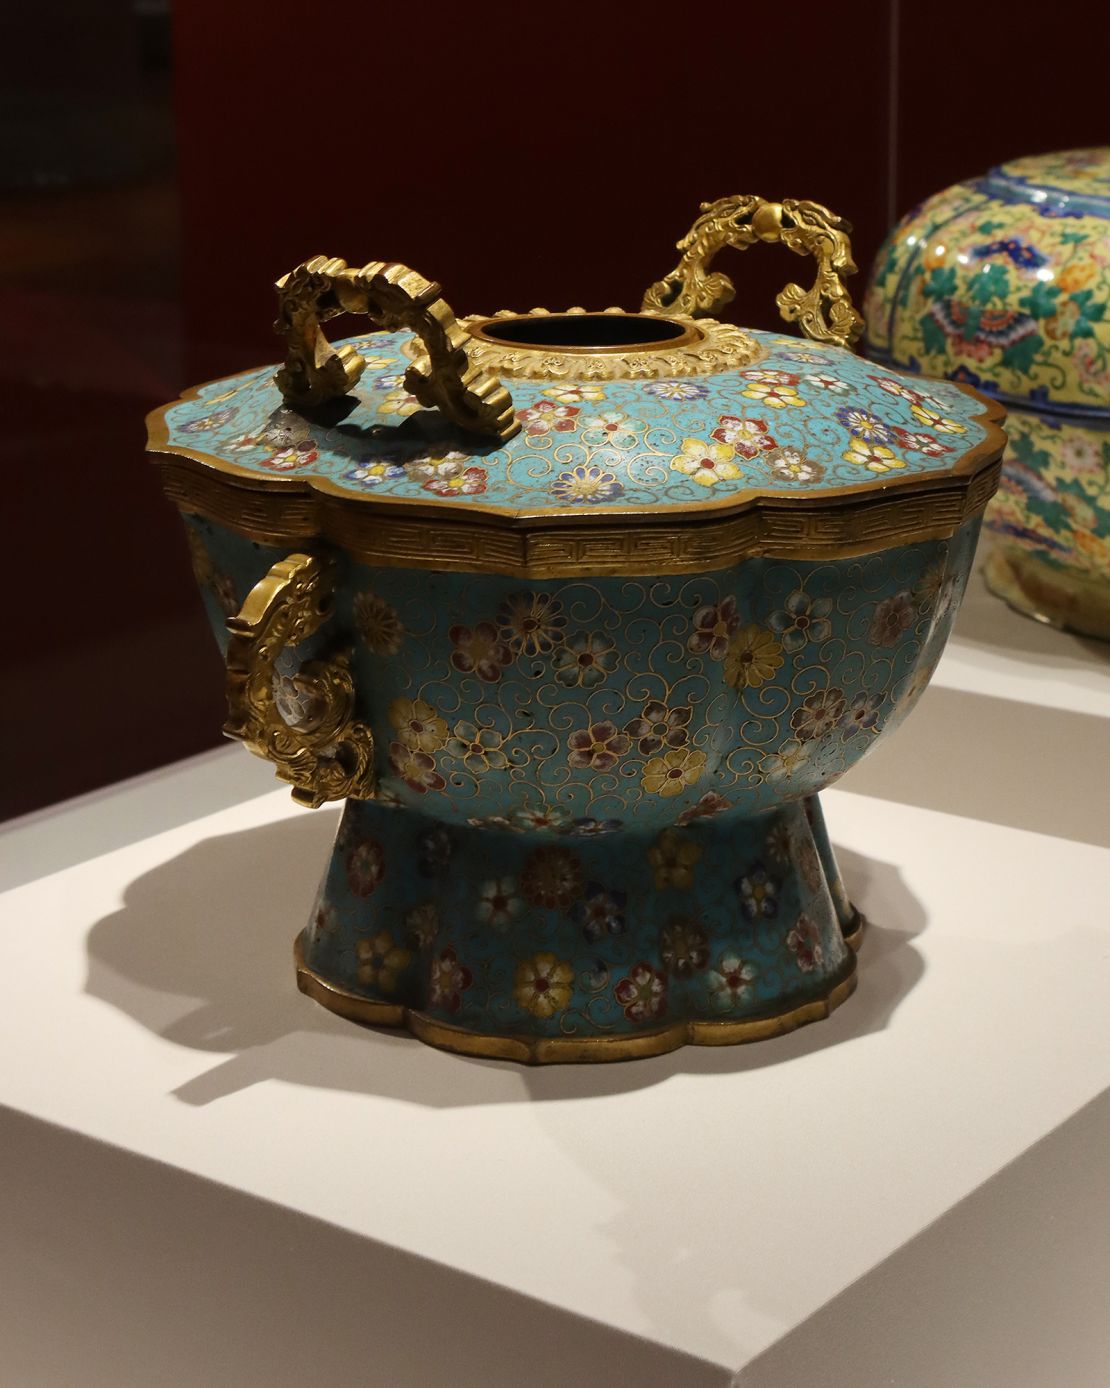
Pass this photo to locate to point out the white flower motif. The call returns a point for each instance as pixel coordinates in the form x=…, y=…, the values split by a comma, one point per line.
x=730, y=983
x=676, y=390
x=498, y=903
x=832, y=384
x=791, y=759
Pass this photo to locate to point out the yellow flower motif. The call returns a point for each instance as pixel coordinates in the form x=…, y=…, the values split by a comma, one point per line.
x=671, y=773
x=381, y=961
x=1094, y=548
x=875, y=457
x=768, y=393
x=419, y=727
x=574, y=395
x=753, y=657
x=939, y=423
x=706, y=463
x=673, y=860
x=374, y=363
x=1075, y=277
x=542, y=985
x=398, y=402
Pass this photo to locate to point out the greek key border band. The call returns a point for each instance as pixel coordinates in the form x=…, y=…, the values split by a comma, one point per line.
x=781, y=529
x=395, y=532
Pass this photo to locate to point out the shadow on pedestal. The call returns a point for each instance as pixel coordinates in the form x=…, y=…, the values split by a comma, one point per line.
x=1006, y=1289
x=120, y=1272
x=201, y=954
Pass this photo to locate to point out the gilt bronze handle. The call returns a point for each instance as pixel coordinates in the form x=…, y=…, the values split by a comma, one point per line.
x=394, y=297
x=825, y=312
x=303, y=723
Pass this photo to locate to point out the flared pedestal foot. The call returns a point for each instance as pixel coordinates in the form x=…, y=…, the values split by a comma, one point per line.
x=548, y=947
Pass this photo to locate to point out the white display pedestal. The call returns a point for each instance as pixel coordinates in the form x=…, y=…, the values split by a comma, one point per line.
x=205, y=1179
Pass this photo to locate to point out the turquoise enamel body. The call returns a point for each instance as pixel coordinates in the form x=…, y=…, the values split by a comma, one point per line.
x=648, y=841
x=595, y=830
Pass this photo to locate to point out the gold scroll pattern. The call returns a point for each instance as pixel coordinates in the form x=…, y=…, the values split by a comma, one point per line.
x=303, y=724
x=395, y=298
x=824, y=312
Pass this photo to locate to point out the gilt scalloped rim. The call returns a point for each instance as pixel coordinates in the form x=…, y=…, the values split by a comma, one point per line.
x=548, y=539
x=549, y=1050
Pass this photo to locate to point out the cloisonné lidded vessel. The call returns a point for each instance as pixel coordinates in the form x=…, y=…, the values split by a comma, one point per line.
x=1003, y=282
x=578, y=612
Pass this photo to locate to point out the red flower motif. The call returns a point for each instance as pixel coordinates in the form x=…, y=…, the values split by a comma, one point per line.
x=289, y=459
x=547, y=417
x=365, y=867
x=417, y=769
x=643, y=994
x=804, y=942
x=469, y=482
x=910, y=442
x=710, y=804
x=747, y=436
x=713, y=629
x=893, y=386
x=819, y=714
x=597, y=747
x=449, y=980
x=892, y=616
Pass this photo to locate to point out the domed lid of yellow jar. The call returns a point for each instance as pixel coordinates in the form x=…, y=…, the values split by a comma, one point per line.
x=609, y=442
x=1002, y=282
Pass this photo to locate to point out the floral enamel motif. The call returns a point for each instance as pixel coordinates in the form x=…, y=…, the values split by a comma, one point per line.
x=582, y=652
x=613, y=444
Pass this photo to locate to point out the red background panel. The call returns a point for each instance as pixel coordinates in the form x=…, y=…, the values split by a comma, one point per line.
x=980, y=84
x=519, y=155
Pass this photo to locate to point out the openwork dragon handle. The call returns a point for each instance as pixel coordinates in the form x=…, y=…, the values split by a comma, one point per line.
x=395, y=298
x=825, y=312
x=302, y=723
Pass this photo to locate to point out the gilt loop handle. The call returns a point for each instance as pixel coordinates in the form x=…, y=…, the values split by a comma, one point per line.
x=394, y=297
x=825, y=312
x=304, y=723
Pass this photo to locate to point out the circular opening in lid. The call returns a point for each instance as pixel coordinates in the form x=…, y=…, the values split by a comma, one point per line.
x=586, y=332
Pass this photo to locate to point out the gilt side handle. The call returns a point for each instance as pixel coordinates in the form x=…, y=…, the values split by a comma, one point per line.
x=394, y=297
x=303, y=723
x=824, y=312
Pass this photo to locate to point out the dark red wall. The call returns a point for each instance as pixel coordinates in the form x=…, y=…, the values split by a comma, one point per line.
x=520, y=155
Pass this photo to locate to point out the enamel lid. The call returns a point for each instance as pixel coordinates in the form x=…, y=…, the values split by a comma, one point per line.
x=573, y=441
